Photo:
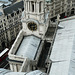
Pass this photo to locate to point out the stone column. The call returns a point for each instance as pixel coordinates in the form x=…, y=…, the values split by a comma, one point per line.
x=61, y=7
x=34, y=7
x=9, y=37
x=30, y=7
x=42, y=7
x=26, y=7
x=65, y=7
x=58, y=17
x=15, y=32
x=54, y=9
x=37, y=7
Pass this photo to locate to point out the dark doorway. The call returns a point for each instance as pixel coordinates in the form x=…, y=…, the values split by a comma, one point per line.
x=62, y=15
x=72, y=11
x=53, y=19
x=3, y=45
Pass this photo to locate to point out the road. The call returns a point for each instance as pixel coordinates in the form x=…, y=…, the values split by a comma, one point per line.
x=4, y=64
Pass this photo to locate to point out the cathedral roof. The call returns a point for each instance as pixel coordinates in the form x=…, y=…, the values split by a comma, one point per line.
x=63, y=52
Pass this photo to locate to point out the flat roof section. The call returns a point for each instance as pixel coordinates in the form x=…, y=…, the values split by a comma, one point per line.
x=63, y=52
x=28, y=47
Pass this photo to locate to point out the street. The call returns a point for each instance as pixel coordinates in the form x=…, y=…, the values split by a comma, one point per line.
x=4, y=64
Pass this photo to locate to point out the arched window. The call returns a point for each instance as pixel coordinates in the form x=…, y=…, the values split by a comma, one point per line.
x=40, y=7
x=32, y=6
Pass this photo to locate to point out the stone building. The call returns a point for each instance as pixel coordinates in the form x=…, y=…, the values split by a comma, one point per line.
x=34, y=12
x=63, y=50
x=34, y=41
x=62, y=7
x=34, y=21
x=10, y=23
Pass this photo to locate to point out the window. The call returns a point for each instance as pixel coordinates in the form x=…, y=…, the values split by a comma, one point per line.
x=40, y=7
x=1, y=26
x=12, y=14
x=10, y=20
x=5, y=24
x=18, y=12
x=1, y=31
x=7, y=17
x=32, y=6
x=4, y=19
x=1, y=21
x=22, y=9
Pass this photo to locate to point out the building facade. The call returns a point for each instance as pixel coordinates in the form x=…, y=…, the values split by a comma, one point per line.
x=34, y=20
x=10, y=23
x=62, y=7
x=34, y=11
